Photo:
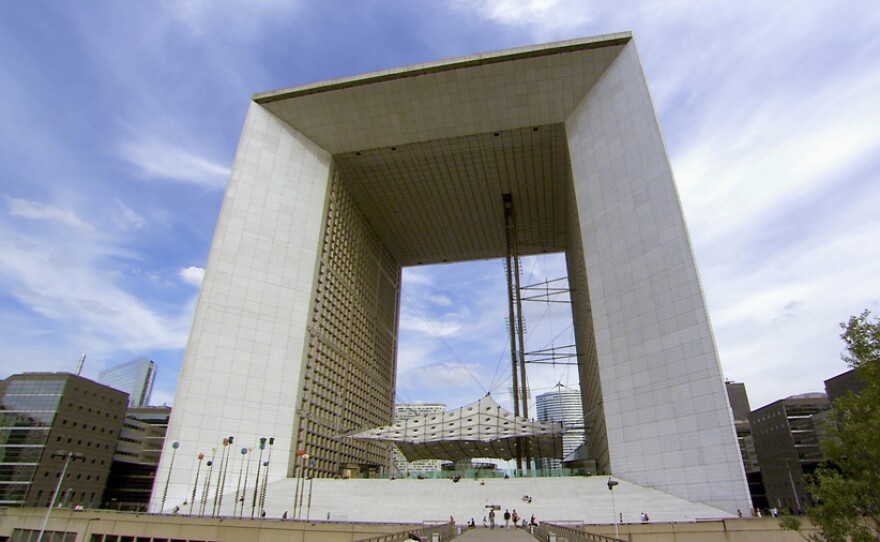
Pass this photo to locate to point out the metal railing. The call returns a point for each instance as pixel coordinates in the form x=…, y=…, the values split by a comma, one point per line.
x=549, y=532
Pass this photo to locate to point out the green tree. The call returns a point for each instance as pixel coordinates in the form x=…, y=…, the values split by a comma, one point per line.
x=846, y=491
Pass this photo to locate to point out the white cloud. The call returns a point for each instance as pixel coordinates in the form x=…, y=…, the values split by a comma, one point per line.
x=442, y=300
x=767, y=108
x=201, y=17
x=162, y=158
x=32, y=209
x=128, y=217
x=542, y=19
x=192, y=275
x=434, y=327
x=73, y=287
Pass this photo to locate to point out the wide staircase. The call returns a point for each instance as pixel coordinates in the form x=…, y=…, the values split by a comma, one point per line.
x=566, y=499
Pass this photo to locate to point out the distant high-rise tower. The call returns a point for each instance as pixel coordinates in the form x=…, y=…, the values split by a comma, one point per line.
x=135, y=378
x=404, y=412
x=562, y=405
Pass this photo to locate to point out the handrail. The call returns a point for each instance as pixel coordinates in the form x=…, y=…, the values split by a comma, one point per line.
x=549, y=532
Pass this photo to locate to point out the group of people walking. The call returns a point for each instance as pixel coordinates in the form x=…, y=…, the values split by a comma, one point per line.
x=509, y=518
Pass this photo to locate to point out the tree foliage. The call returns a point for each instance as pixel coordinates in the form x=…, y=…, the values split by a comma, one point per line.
x=846, y=491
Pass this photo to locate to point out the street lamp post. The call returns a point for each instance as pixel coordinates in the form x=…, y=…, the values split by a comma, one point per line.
x=297, y=470
x=302, y=486
x=207, y=488
x=266, y=477
x=174, y=446
x=257, y=480
x=238, y=494
x=67, y=457
x=225, y=468
x=309, y=509
x=221, y=477
x=192, y=501
x=611, y=483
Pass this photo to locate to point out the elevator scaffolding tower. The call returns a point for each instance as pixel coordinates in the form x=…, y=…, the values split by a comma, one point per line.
x=516, y=326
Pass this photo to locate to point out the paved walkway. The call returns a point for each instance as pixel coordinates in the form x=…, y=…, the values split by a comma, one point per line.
x=498, y=534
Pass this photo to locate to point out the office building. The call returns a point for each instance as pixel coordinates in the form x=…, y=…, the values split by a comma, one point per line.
x=136, y=458
x=739, y=406
x=402, y=412
x=44, y=418
x=564, y=406
x=338, y=185
x=786, y=435
x=134, y=378
x=844, y=383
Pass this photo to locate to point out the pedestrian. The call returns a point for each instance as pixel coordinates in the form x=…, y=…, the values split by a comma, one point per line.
x=533, y=522
x=492, y=518
x=485, y=523
x=507, y=519
x=515, y=517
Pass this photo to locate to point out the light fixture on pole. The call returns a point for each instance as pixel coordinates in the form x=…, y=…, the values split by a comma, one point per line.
x=311, y=481
x=207, y=487
x=302, y=488
x=192, y=501
x=231, y=439
x=257, y=481
x=218, y=495
x=611, y=483
x=238, y=495
x=266, y=478
x=67, y=457
x=297, y=470
x=174, y=446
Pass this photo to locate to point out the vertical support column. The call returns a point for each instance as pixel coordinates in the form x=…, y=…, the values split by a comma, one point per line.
x=667, y=419
x=242, y=369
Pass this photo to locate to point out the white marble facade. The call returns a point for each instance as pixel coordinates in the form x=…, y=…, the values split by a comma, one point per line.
x=581, y=106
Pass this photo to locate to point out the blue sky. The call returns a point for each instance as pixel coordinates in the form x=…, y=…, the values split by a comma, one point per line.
x=120, y=120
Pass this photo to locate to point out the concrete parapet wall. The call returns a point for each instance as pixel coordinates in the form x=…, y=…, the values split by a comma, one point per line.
x=143, y=527
x=728, y=530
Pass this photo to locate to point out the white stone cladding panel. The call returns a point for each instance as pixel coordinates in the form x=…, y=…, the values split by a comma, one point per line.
x=241, y=370
x=667, y=419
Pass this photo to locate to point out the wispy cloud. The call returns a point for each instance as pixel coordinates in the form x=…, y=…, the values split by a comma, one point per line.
x=160, y=158
x=541, y=19
x=32, y=209
x=71, y=286
x=765, y=111
x=205, y=16
x=766, y=108
x=128, y=218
